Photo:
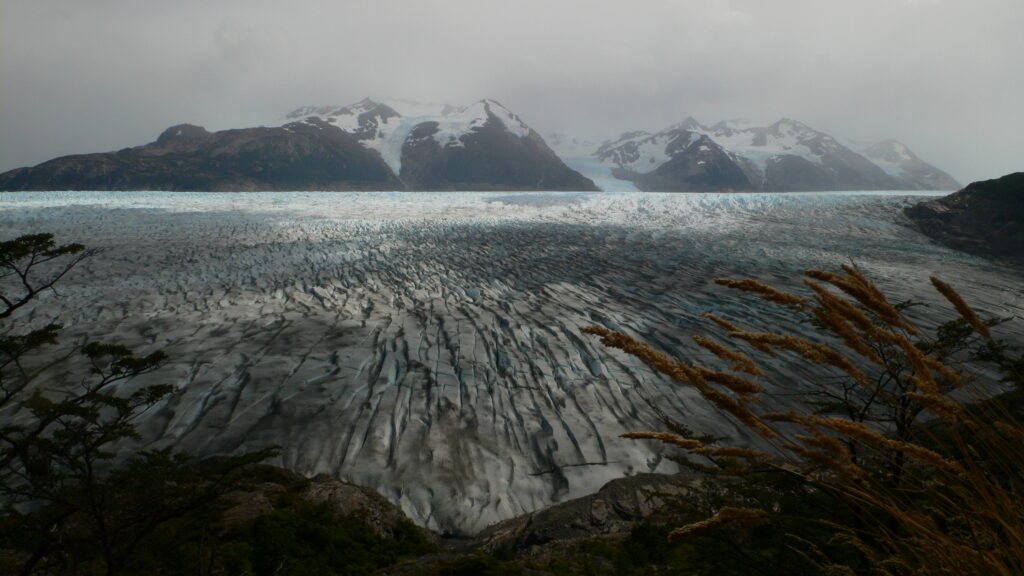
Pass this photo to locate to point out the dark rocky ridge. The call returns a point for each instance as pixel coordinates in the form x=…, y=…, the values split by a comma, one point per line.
x=307, y=155
x=985, y=218
x=311, y=153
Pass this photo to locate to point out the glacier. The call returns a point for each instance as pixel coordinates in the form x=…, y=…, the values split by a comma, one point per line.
x=428, y=344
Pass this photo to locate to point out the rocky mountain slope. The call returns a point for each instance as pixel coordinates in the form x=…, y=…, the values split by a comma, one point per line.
x=482, y=146
x=985, y=218
x=786, y=156
x=404, y=145
x=678, y=159
x=365, y=146
x=305, y=155
x=910, y=171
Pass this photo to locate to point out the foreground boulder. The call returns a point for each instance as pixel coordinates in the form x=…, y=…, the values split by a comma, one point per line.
x=615, y=509
x=342, y=498
x=986, y=218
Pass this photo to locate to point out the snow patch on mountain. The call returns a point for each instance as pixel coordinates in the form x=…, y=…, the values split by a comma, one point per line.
x=760, y=145
x=385, y=126
x=894, y=169
x=642, y=152
x=453, y=126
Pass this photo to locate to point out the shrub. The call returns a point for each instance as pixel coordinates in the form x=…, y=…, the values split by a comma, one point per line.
x=907, y=464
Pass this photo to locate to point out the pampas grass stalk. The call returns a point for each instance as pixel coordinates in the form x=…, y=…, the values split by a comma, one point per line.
x=934, y=496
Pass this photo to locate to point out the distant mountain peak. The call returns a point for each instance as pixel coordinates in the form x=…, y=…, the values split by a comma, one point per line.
x=690, y=123
x=793, y=127
x=182, y=132
x=890, y=150
x=898, y=161
x=429, y=134
x=732, y=125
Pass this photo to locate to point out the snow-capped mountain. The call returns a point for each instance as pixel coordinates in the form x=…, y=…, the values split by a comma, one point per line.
x=910, y=171
x=677, y=159
x=789, y=155
x=395, y=145
x=439, y=147
x=737, y=155
x=407, y=145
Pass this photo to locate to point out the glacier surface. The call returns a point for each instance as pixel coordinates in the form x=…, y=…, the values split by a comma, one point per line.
x=428, y=345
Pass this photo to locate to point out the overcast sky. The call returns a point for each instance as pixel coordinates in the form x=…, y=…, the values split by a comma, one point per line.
x=946, y=77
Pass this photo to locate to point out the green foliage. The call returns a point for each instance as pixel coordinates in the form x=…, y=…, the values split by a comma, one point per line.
x=297, y=538
x=309, y=540
x=24, y=258
x=475, y=565
x=66, y=505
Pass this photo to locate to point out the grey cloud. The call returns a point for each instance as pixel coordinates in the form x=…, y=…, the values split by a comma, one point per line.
x=943, y=76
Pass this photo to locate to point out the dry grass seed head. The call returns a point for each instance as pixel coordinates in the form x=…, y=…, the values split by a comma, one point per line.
x=682, y=373
x=947, y=409
x=965, y=311
x=817, y=353
x=733, y=452
x=767, y=292
x=665, y=437
x=727, y=517
x=655, y=359
x=739, y=411
x=746, y=389
x=864, y=291
x=864, y=433
x=830, y=319
x=951, y=376
x=721, y=322
x=823, y=460
x=741, y=362
x=851, y=313
x=1013, y=431
x=919, y=362
x=789, y=417
x=734, y=331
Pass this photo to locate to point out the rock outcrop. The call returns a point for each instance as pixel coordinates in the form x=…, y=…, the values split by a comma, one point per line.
x=342, y=498
x=986, y=218
x=616, y=508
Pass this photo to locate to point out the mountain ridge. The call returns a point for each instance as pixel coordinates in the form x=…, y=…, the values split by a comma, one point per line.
x=985, y=218
x=787, y=155
x=483, y=146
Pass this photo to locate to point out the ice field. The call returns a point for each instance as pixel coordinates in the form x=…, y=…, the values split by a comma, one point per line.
x=428, y=345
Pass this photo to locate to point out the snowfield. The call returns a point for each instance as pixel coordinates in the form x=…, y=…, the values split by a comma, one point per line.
x=429, y=345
